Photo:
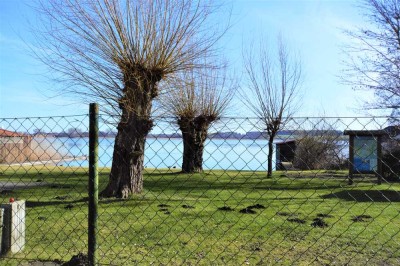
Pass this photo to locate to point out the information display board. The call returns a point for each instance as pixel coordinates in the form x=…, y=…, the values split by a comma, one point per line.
x=365, y=154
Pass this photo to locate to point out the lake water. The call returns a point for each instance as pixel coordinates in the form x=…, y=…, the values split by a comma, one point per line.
x=231, y=154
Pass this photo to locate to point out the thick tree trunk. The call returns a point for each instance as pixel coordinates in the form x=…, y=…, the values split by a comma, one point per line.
x=126, y=176
x=194, y=134
x=270, y=153
x=193, y=147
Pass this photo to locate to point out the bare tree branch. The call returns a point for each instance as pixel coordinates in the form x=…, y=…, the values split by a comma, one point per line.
x=272, y=87
x=373, y=59
x=197, y=100
x=117, y=52
x=92, y=45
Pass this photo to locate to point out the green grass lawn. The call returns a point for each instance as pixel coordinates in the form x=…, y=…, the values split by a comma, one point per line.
x=177, y=219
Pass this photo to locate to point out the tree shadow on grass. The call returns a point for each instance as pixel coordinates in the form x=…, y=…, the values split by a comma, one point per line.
x=365, y=195
x=183, y=183
x=66, y=203
x=33, y=204
x=179, y=181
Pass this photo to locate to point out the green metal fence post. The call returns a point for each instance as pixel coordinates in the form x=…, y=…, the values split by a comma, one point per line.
x=93, y=181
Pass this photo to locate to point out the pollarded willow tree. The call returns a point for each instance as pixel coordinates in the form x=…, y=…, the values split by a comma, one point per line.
x=196, y=101
x=117, y=52
x=273, y=83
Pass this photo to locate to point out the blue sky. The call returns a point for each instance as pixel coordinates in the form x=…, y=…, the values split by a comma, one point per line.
x=313, y=28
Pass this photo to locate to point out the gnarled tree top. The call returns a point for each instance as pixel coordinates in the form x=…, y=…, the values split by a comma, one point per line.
x=96, y=46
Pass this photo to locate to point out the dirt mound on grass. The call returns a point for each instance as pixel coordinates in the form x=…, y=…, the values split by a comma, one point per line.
x=319, y=222
x=296, y=220
x=226, y=208
x=361, y=218
x=247, y=211
x=78, y=260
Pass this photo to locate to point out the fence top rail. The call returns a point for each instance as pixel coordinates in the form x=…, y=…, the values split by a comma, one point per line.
x=224, y=117
x=43, y=117
x=283, y=118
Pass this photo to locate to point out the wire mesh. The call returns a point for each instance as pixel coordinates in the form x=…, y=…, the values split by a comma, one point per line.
x=228, y=213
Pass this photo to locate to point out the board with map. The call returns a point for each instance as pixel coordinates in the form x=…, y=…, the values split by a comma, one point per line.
x=365, y=154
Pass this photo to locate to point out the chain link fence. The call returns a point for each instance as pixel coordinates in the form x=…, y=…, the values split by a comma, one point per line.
x=230, y=213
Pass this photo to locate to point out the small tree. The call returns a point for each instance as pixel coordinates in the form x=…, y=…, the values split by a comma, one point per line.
x=117, y=52
x=373, y=60
x=196, y=101
x=273, y=84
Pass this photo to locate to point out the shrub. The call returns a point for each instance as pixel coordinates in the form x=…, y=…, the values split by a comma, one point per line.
x=321, y=151
x=391, y=160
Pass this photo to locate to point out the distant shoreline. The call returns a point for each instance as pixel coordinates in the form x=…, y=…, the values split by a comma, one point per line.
x=251, y=135
x=49, y=162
